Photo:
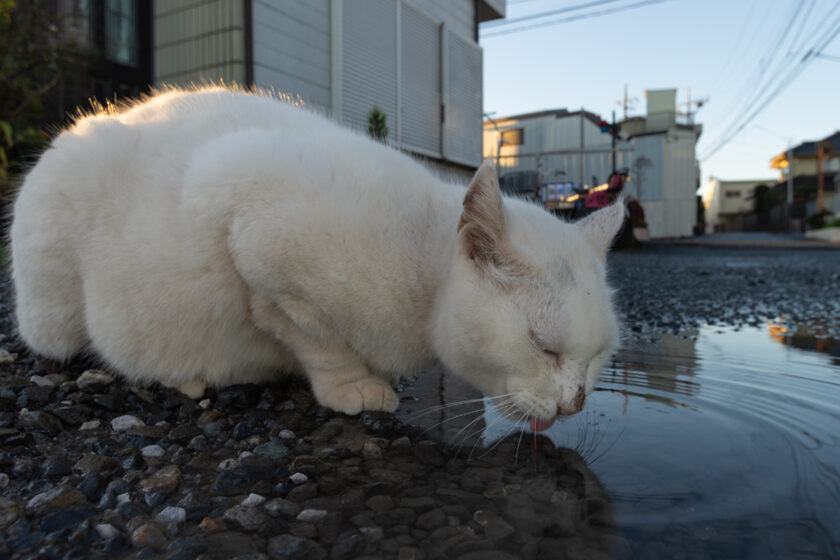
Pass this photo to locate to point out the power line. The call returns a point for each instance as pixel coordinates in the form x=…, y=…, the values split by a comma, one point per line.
x=548, y=13
x=576, y=17
x=831, y=33
x=753, y=89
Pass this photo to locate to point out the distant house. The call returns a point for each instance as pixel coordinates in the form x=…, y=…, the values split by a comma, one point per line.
x=804, y=168
x=562, y=145
x=727, y=202
x=805, y=158
x=417, y=61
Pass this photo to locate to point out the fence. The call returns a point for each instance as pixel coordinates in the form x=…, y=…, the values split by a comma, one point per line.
x=590, y=167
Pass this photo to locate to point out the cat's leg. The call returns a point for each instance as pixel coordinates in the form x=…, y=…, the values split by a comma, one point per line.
x=48, y=287
x=339, y=378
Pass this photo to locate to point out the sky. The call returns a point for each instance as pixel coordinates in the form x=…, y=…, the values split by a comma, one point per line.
x=734, y=53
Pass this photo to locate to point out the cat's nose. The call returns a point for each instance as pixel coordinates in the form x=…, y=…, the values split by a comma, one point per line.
x=573, y=407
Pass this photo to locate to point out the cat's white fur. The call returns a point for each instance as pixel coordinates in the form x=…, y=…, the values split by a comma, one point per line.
x=214, y=237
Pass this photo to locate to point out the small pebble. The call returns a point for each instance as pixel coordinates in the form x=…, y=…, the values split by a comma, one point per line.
x=253, y=500
x=107, y=531
x=41, y=381
x=204, y=403
x=228, y=464
x=286, y=435
x=6, y=358
x=89, y=425
x=125, y=423
x=153, y=451
x=4, y=480
x=311, y=515
x=298, y=478
x=172, y=514
x=93, y=381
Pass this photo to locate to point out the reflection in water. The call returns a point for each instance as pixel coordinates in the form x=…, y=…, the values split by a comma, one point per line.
x=806, y=337
x=712, y=444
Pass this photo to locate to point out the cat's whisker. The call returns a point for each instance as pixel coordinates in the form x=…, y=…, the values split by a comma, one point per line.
x=449, y=419
x=496, y=421
x=501, y=439
x=435, y=408
x=521, y=433
x=505, y=402
x=455, y=441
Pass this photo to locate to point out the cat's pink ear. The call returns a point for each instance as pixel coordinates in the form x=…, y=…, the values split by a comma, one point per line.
x=600, y=228
x=482, y=224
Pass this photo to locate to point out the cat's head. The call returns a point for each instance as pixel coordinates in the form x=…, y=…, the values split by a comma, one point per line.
x=526, y=314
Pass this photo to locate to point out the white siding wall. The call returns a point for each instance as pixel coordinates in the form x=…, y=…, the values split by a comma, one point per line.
x=198, y=40
x=417, y=61
x=292, y=48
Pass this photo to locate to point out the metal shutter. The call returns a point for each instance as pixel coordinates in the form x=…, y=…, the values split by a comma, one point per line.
x=462, y=126
x=369, y=76
x=420, y=95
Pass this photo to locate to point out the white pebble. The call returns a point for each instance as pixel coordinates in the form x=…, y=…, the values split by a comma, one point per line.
x=171, y=514
x=253, y=500
x=107, y=531
x=311, y=515
x=286, y=434
x=125, y=423
x=153, y=451
x=89, y=425
x=245, y=455
x=41, y=381
x=6, y=358
x=298, y=478
x=204, y=403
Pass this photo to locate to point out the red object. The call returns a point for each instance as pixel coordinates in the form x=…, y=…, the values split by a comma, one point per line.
x=538, y=425
x=598, y=199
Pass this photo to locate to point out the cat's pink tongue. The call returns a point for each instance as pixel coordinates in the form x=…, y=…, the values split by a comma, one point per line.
x=538, y=425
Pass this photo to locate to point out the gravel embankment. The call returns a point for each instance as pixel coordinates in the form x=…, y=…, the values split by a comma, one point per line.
x=93, y=468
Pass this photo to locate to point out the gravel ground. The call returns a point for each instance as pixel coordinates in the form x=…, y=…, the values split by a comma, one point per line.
x=93, y=468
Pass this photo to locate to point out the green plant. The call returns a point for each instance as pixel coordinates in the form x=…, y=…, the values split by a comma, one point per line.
x=816, y=221
x=833, y=223
x=33, y=56
x=378, y=124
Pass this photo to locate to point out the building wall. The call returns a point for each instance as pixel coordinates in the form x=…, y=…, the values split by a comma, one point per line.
x=558, y=141
x=719, y=207
x=292, y=48
x=198, y=41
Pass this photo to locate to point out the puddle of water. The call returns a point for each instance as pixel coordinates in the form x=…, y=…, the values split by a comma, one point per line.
x=717, y=443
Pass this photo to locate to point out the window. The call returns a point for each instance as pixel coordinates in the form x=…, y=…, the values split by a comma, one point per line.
x=733, y=194
x=121, y=31
x=513, y=137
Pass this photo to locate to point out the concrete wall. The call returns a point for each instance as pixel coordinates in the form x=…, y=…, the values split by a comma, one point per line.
x=198, y=41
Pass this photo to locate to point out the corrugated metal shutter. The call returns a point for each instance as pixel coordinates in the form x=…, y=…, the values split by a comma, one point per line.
x=462, y=124
x=420, y=96
x=369, y=76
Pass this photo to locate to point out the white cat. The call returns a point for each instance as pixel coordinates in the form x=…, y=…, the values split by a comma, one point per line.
x=214, y=237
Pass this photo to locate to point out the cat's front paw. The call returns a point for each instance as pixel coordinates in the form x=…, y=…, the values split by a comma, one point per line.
x=369, y=393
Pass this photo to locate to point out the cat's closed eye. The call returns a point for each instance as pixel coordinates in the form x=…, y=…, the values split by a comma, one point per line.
x=542, y=346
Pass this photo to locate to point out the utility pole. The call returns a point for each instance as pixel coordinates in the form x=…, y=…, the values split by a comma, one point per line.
x=790, y=187
x=820, y=182
x=612, y=133
x=580, y=175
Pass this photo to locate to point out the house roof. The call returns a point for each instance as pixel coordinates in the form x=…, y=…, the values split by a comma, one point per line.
x=556, y=113
x=806, y=149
